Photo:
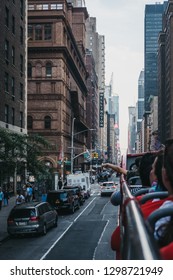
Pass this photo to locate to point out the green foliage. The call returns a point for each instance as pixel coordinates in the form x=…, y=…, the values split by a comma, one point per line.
x=17, y=149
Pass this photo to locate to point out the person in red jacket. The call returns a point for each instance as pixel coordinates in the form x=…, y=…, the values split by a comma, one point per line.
x=166, y=252
x=150, y=206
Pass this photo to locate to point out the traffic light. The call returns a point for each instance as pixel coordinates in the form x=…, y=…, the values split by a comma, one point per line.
x=94, y=155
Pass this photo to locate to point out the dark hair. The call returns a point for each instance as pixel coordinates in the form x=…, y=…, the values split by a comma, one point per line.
x=158, y=170
x=145, y=168
x=168, y=159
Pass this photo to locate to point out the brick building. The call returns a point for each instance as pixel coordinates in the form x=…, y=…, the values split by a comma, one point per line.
x=57, y=78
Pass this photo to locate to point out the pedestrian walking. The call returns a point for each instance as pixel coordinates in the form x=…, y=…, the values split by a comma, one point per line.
x=1, y=197
x=60, y=184
x=24, y=192
x=44, y=196
x=6, y=197
x=20, y=198
x=29, y=193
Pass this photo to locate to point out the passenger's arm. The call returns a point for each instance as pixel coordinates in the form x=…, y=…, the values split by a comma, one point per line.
x=115, y=168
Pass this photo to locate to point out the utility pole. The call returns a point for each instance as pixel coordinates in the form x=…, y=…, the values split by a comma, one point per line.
x=72, y=144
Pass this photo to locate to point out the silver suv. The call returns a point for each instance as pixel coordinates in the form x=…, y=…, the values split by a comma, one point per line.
x=34, y=217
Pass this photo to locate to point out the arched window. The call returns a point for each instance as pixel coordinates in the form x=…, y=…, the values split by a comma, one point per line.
x=29, y=70
x=48, y=69
x=29, y=122
x=47, y=122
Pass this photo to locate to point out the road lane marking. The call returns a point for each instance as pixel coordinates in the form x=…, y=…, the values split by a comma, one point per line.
x=99, y=241
x=56, y=241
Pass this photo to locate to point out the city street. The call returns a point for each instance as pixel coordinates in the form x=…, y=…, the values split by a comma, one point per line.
x=84, y=235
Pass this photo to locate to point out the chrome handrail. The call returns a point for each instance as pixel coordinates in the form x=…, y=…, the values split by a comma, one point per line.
x=137, y=241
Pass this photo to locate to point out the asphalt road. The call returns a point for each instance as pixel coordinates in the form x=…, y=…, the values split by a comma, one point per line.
x=84, y=235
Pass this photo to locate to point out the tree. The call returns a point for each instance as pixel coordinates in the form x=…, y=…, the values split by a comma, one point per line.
x=20, y=150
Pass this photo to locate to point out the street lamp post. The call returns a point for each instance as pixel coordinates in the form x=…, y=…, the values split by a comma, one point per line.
x=72, y=142
x=72, y=147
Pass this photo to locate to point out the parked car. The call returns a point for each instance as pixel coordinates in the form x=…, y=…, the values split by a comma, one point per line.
x=103, y=176
x=33, y=217
x=77, y=190
x=63, y=200
x=107, y=188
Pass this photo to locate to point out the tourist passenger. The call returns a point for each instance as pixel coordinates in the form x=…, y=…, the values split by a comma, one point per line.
x=1, y=197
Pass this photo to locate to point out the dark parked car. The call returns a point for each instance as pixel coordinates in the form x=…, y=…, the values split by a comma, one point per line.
x=63, y=199
x=33, y=217
x=77, y=190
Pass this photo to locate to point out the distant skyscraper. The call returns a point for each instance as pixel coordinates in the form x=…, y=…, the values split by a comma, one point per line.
x=140, y=104
x=153, y=25
x=132, y=129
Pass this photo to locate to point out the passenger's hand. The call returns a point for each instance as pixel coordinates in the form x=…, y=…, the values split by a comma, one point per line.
x=105, y=165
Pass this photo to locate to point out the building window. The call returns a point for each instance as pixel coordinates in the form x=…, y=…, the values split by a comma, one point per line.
x=47, y=32
x=38, y=32
x=47, y=122
x=21, y=91
x=13, y=86
x=6, y=16
x=21, y=35
x=21, y=8
x=45, y=6
x=6, y=82
x=56, y=6
x=29, y=122
x=21, y=64
x=21, y=119
x=6, y=50
x=30, y=7
x=13, y=25
x=6, y=113
x=48, y=69
x=29, y=70
x=13, y=116
x=39, y=7
x=13, y=55
x=30, y=32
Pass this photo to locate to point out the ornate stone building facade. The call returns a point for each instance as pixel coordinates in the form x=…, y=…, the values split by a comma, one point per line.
x=57, y=78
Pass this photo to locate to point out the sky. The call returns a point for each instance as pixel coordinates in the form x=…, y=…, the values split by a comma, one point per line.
x=122, y=24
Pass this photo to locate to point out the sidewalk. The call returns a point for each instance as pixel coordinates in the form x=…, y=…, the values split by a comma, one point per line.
x=3, y=217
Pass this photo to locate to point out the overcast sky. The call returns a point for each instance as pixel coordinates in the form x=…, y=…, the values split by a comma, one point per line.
x=122, y=24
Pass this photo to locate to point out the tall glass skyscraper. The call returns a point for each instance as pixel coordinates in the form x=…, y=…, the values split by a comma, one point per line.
x=140, y=103
x=153, y=25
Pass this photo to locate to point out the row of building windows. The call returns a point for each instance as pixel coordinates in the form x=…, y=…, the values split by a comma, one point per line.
x=38, y=67
x=45, y=7
x=10, y=87
x=47, y=122
x=10, y=116
x=7, y=16
x=40, y=32
x=10, y=55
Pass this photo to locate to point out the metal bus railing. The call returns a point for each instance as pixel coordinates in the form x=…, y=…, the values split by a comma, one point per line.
x=137, y=241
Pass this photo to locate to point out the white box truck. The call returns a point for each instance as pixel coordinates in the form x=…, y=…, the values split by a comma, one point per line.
x=81, y=179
